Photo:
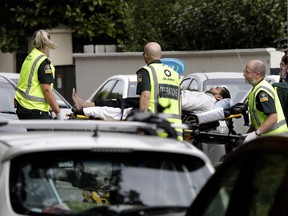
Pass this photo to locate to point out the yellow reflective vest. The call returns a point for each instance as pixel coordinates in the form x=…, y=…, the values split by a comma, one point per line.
x=257, y=117
x=29, y=93
x=165, y=91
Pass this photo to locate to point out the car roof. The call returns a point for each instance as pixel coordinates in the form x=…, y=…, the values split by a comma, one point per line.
x=131, y=77
x=217, y=75
x=84, y=134
x=13, y=76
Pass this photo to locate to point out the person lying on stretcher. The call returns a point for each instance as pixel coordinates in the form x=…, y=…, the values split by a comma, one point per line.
x=118, y=109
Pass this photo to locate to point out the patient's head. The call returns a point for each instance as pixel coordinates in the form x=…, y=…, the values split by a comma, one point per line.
x=219, y=92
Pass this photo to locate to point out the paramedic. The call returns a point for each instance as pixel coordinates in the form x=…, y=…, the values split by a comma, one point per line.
x=34, y=96
x=265, y=110
x=159, y=86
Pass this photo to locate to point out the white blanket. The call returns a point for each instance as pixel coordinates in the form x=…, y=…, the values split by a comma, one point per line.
x=211, y=116
x=106, y=113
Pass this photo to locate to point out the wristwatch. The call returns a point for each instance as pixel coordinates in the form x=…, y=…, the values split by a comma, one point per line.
x=258, y=133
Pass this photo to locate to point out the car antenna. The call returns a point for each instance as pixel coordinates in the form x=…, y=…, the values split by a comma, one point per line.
x=240, y=58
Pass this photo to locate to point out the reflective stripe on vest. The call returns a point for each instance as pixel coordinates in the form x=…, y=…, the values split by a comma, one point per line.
x=173, y=118
x=257, y=118
x=29, y=84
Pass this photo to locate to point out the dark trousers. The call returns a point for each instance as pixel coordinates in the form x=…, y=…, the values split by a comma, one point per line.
x=119, y=102
x=24, y=113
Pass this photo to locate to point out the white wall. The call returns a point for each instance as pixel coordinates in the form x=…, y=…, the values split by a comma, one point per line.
x=92, y=69
x=7, y=62
x=62, y=55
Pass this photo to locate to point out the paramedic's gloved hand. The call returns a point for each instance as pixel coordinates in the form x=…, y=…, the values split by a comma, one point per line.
x=60, y=116
x=249, y=137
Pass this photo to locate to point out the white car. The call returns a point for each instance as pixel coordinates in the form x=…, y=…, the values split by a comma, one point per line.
x=118, y=86
x=8, y=93
x=238, y=88
x=81, y=167
x=233, y=81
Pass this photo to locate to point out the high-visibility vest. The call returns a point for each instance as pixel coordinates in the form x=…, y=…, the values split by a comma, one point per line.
x=257, y=117
x=165, y=91
x=29, y=93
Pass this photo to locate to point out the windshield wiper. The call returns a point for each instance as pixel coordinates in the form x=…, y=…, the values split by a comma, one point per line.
x=134, y=211
x=155, y=210
x=8, y=112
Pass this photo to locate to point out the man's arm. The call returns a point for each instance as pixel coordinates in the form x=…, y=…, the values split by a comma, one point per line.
x=144, y=101
x=268, y=123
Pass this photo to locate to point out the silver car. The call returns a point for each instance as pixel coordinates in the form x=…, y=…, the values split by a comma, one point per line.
x=8, y=83
x=80, y=167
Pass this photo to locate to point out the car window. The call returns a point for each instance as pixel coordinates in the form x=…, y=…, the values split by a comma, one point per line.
x=79, y=180
x=132, y=89
x=105, y=90
x=62, y=103
x=7, y=97
x=255, y=185
x=117, y=90
x=190, y=84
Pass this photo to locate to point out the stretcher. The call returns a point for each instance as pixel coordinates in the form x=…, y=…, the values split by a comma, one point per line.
x=203, y=131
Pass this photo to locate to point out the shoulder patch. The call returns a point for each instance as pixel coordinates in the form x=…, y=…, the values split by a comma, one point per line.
x=47, y=69
x=263, y=97
x=139, y=78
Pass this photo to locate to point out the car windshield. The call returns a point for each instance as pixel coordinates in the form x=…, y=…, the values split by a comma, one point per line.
x=238, y=88
x=75, y=181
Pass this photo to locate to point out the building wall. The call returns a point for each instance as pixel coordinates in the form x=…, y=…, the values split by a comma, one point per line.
x=92, y=69
x=7, y=62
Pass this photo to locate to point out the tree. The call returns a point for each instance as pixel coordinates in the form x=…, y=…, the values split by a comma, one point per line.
x=206, y=24
x=147, y=21
x=221, y=24
x=90, y=19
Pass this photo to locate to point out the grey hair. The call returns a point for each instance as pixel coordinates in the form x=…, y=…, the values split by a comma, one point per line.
x=42, y=39
x=259, y=66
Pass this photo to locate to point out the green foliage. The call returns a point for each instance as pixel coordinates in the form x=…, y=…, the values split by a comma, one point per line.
x=206, y=24
x=147, y=21
x=88, y=18
x=221, y=24
x=175, y=24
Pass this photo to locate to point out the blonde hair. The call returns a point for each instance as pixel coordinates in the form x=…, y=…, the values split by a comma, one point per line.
x=42, y=39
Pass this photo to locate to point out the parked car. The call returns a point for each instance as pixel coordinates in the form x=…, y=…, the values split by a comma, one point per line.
x=123, y=86
x=238, y=88
x=234, y=81
x=7, y=89
x=215, y=148
x=8, y=93
x=118, y=86
x=82, y=167
x=251, y=181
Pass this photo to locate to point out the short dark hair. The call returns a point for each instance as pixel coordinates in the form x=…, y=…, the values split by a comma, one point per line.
x=225, y=93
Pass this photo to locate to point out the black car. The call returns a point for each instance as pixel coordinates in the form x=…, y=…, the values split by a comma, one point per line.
x=253, y=180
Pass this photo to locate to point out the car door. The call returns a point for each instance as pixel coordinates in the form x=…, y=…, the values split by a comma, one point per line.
x=252, y=181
